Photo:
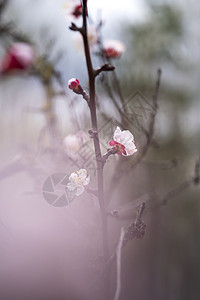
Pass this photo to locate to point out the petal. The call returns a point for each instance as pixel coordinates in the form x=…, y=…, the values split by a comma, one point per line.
x=112, y=143
x=124, y=153
x=79, y=190
x=126, y=136
x=130, y=148
x=122, y=136
x=82, y=173
x=117, y=134
x=71, y=186
x=73, y=177
x=119, y=153
x=87, y=180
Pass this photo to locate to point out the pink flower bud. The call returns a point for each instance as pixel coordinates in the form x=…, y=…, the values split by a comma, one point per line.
x=73, y=83
x=77, y=12
x=113, y=49
x=19, y=56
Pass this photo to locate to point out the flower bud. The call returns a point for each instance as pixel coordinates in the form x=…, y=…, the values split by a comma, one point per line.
x=113, y=49
x=73, y=84
x=77, y=12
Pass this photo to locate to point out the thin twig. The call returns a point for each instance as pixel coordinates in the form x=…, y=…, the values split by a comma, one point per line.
x=7, y=30
x=175, y=192
x=2, y=6
x=150, y=133
x=118, y=87
x=180, y=188
x=136, y=229
x=141, y=154
x=104, y=68
x=167, y=164
x=149, y=136
x=118, y=256
x=196, y=178
x=125, y=211
x=108, y=153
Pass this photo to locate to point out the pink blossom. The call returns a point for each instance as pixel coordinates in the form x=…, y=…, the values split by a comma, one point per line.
x=73, y=84
x=19, y=56
x=113, y=49
x=123, y=141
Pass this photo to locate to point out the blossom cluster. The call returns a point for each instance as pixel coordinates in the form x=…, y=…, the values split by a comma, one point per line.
x=123, y=142
x=110, y=48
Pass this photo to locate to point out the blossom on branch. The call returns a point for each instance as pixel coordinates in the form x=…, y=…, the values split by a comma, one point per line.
x=20, y=56
x=113, y=48
x=73, y=84
x=123, y=141
x=78, y=181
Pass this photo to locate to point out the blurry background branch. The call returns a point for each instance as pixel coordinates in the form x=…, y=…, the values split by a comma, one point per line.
x=118, y=257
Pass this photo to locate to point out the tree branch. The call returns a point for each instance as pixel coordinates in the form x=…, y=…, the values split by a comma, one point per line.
x=105, y=67
x=107, y=154
x=92, y=106
x=149, y=134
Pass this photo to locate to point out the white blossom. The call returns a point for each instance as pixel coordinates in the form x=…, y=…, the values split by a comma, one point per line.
x=78, y=181
x=124, y=142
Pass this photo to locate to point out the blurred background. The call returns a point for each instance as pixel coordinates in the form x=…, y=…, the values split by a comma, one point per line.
x=50, y=252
